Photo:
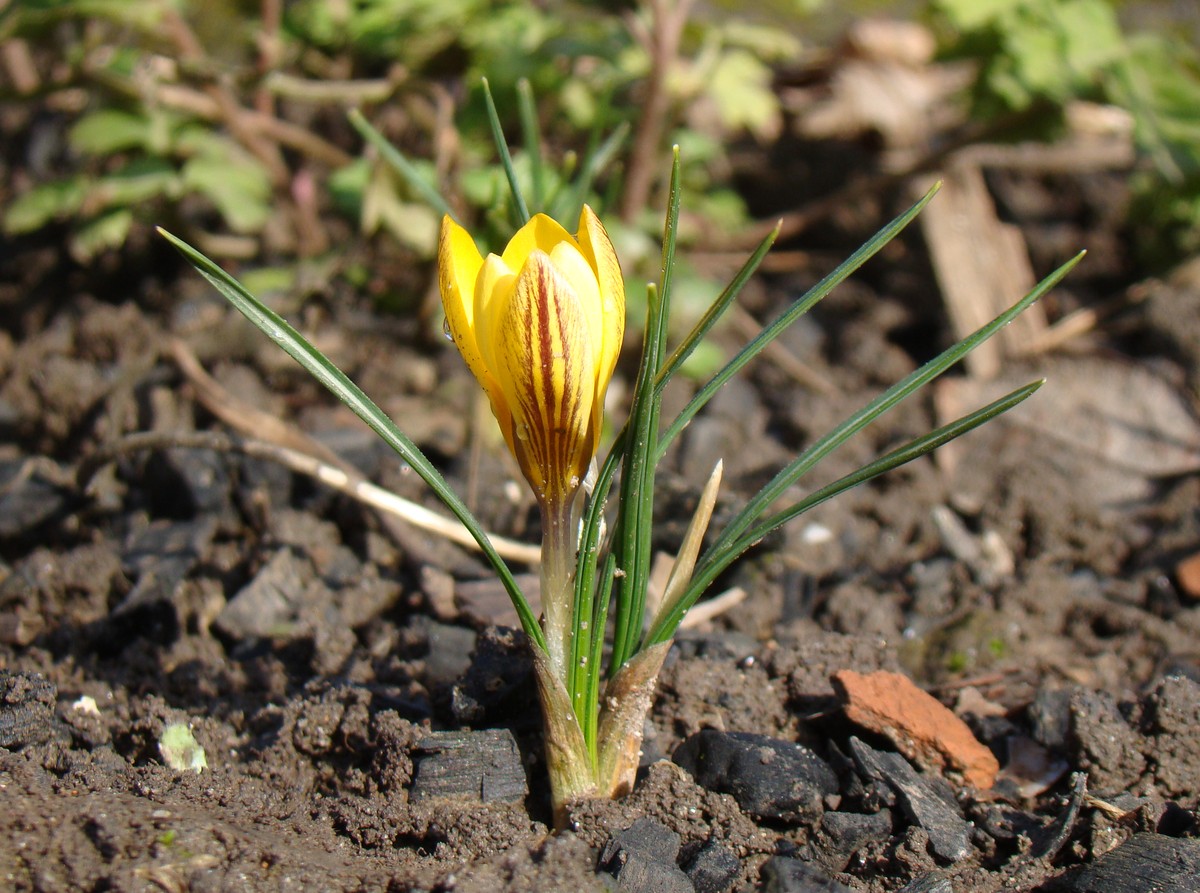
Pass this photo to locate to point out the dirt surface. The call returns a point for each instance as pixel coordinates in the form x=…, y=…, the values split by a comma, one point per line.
x=1027, y=579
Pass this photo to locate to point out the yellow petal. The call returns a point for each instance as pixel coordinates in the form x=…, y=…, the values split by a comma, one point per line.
x=545, y=369
x=541, y=232
x=459, y=264
x=575, y=269
x=598, y=249
x=492, y=288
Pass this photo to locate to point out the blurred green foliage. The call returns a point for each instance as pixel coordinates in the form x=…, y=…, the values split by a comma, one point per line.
x=1036, y=55
x=123, y=150
x=145, y=94
x=130, y=158
x=134, y=153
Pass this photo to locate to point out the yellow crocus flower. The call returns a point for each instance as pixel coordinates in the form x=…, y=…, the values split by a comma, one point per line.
x=540, y=327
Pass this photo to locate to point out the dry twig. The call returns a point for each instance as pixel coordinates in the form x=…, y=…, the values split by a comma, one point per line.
x=661, y=40
x=340, y=479
x=329, y=468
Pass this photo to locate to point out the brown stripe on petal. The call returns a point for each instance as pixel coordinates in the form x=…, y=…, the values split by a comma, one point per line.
x=548, y=377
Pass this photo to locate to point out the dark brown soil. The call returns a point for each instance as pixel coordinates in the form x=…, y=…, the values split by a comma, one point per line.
x=1029, y=578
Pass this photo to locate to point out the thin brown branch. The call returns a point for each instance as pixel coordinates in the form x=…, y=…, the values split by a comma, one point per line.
x=661, y=41
x=268, y=43
x=240, y=415
x=18, y=63
x=255, y=423
x=283, y=132
x=302, y=463
x=341, y=92
x=191, y=52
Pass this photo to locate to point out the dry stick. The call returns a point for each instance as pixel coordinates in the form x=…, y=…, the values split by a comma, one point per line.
x=191, y=51
x=271, y=16
x=18, y=62
x=329, y=468
x=661, y=41
x=710, y=609
x=993, y=678
x=339, y=92
x=285, y=133
x=302, y=463
x=242, y=416
x=1081, y=321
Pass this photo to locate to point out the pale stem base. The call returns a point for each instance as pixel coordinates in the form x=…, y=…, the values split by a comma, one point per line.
x=575, y=773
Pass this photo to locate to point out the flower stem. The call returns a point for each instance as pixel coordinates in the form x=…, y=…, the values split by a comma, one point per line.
x=558, y=581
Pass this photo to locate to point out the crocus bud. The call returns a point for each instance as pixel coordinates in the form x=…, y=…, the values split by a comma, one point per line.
x=540, y=327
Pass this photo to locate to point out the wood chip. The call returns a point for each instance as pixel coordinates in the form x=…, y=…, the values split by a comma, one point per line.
x=484, y=765
x=982, y=267
x=1144, y=862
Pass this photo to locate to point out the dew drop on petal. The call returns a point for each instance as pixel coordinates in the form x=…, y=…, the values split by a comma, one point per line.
x=522, y=432
x=446, y=333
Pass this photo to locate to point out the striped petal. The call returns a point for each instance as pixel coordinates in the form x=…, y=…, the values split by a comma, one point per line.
x=545, y=368
x=540, y=327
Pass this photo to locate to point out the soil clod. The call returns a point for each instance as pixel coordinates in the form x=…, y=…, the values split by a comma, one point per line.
x=785, y=875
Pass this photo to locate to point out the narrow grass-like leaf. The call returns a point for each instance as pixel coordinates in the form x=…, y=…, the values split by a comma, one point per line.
x=505, y=158
x=803, y=463
x=798, y=309
x=318, y=365
x=593, y=164
x=666, y=281
x=586, y=601
x=723, y=302
x=632, y=535
x=401, y=165
x=666, y=624
x=590, y=714
x=532, y=137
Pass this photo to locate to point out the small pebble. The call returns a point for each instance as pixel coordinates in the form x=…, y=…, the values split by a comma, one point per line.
x=642, y=859
x=783, y=875
x=935, y=812
x=770, y=778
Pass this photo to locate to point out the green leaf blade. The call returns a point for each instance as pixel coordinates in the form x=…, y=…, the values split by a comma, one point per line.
x=665, y=626
x=805, y=303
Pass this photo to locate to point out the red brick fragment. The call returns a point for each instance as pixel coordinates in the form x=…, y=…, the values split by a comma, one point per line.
x=1187, y=572
x=920, y=726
